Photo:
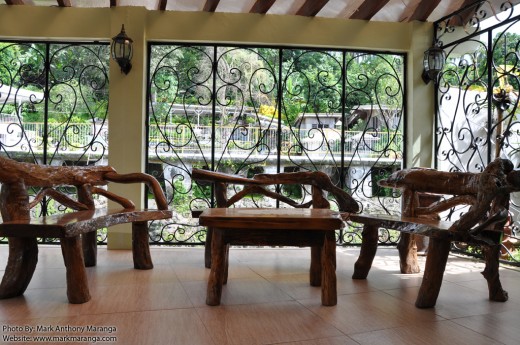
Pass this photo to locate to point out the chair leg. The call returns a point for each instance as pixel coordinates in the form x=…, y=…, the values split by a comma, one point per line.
x=496, y=292
x=438, y=251
x=408, y=254
x=77, y=283
x=207, y=248
x=89, y=241
x=141, y=246
x=370, y=237
x=23, y=257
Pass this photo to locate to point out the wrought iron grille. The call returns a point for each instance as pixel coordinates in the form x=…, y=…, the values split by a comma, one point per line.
x=248, y=110
x=477, y=97
x=54, y=106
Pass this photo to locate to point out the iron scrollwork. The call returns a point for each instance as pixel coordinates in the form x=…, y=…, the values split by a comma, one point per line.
x=247, y=110
x=54, y=106
x=477, y=96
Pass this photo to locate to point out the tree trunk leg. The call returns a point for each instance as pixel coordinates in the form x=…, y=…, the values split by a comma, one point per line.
x=218, y=262
x=315, y=269
x=491, y=273
x=207, y=248
x=89, y=240
x=141, y=246
x=77, y=283
x=329, y=294
x=23, y=256
x=370, y=237
x=408, y=254
x=438, y=251
x=226, y=265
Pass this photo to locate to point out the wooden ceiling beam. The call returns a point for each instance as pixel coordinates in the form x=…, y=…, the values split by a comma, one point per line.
x=463, y=17
x=210, y=5
x=422, y=11
x=261, y=6
x=310, y=8
x=161, y=6
x=14, y=2
x=369, y=8
x=114, y=3
x=64, y=3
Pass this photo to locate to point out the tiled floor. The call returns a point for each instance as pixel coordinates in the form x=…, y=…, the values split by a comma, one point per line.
x=267, y=301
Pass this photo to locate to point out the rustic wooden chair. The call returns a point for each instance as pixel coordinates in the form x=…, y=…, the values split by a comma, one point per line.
x=487, y=196
x=76, y=230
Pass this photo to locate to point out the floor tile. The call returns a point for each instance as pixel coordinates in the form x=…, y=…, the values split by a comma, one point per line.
x=268, y=300
x=268, y=323
x=432, y=333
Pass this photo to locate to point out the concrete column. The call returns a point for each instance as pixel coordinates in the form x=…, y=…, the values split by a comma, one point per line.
x=420, y=116
x=127, y=104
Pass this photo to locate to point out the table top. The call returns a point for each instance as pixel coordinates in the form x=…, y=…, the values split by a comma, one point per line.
x=272, y=218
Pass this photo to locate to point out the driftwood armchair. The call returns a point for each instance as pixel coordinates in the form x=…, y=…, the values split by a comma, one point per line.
x=76, y=230
x=486, y=196
x=320, y=185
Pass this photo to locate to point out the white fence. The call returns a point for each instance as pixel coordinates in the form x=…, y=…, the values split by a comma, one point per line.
x=184, y=140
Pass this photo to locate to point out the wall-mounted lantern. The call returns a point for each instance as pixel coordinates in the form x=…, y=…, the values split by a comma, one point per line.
x=433, y=62
x=122, y=50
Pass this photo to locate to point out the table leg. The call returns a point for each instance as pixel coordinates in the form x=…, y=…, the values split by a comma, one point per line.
x=315, y=270
x=218, y=263
x=329, y=295
x=226, y=264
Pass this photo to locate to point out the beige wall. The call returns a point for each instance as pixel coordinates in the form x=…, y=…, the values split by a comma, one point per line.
x=127, y=92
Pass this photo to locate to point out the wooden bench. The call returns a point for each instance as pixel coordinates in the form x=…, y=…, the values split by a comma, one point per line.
x=301, y=232
x=76, y=230
x=487, y=196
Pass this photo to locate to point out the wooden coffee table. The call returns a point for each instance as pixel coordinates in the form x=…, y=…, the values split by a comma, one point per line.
x=313, y=228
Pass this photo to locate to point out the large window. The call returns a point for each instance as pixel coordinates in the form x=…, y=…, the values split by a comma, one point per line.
x=54, y=104
x=477, y=97
x=246, y=110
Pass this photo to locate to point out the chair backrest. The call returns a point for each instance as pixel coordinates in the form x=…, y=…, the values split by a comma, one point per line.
x=17, y=177
x=487, y=193
x=319, y=182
